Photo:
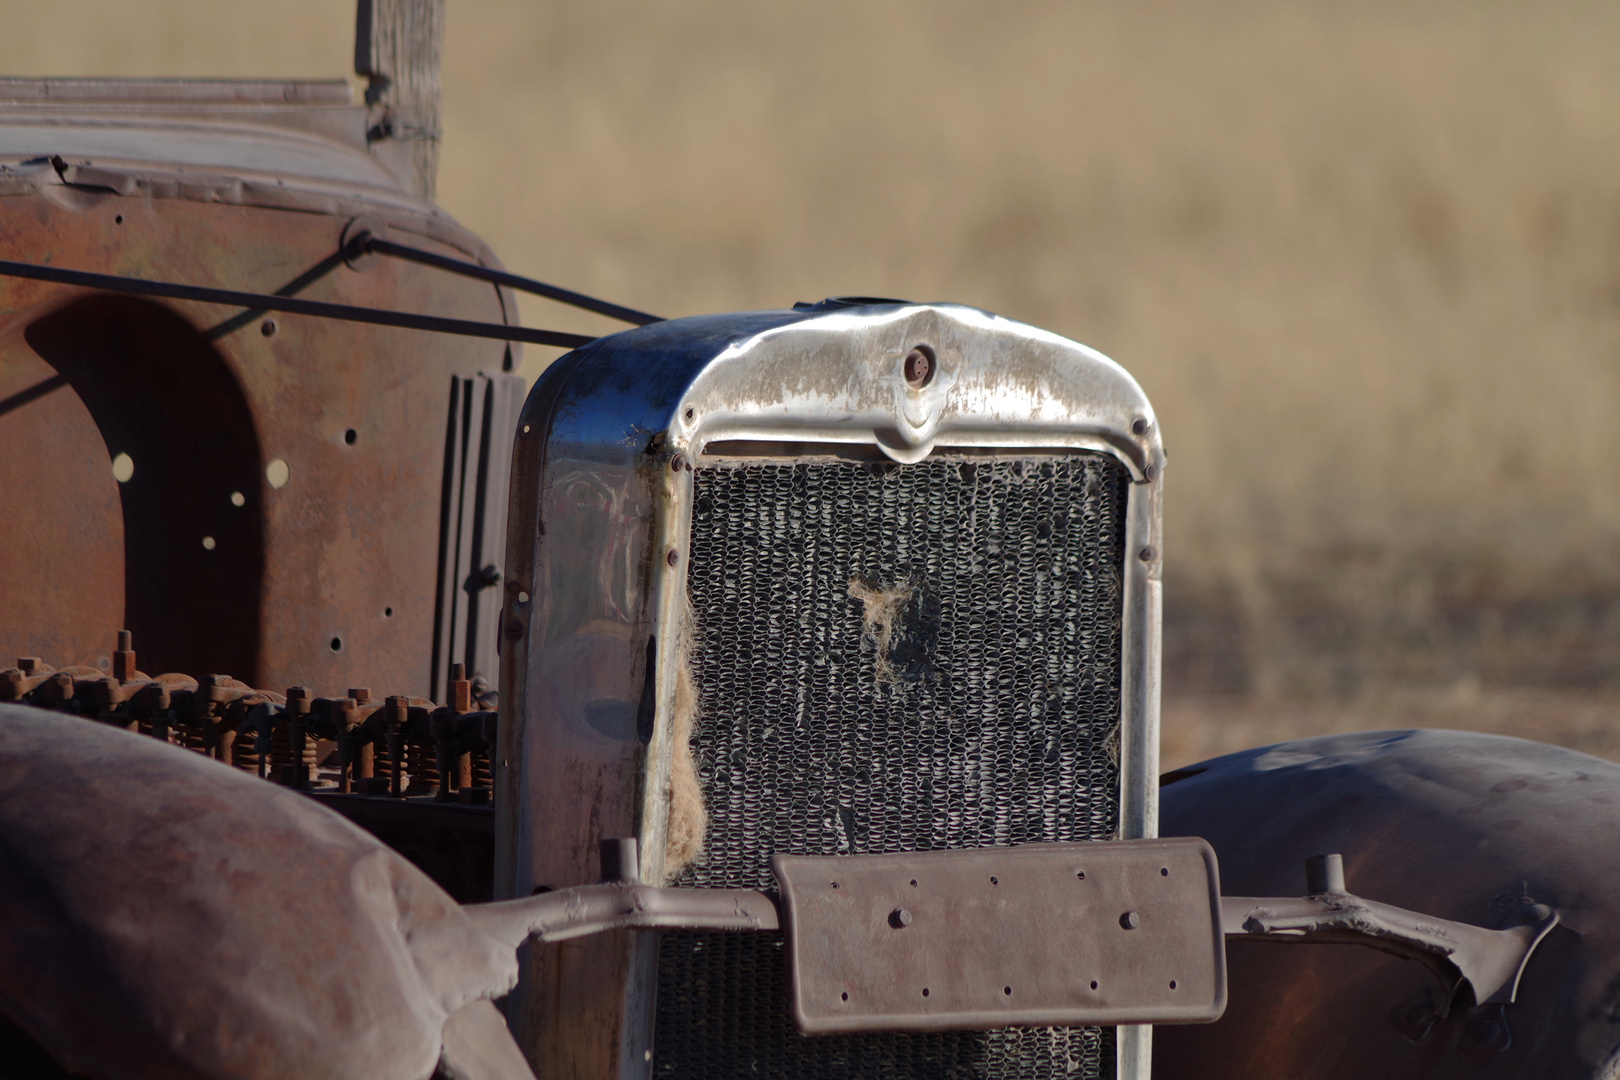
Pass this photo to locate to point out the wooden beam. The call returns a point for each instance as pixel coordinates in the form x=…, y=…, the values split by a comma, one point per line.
x=398, y=45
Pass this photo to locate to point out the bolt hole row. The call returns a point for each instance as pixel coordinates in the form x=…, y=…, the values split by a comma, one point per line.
x=1006, y=991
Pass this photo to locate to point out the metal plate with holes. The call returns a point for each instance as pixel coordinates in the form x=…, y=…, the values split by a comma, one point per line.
x=1044, y=934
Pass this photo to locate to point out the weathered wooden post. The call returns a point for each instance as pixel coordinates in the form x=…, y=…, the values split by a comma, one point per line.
x=398, y=45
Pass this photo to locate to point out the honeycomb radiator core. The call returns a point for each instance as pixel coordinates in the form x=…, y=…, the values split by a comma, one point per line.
x=891, y=658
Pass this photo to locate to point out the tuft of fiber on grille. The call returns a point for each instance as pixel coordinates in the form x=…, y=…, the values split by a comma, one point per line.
x=890, y=658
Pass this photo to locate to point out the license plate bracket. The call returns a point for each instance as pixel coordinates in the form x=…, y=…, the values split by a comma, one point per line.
x=1036, y=935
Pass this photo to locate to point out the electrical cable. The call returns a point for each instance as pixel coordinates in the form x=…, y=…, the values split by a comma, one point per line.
x=319, y=309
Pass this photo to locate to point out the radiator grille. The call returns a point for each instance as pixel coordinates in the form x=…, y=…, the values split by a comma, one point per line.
x=891, y=658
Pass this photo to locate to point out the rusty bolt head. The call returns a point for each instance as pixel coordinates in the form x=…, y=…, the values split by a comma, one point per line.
x=268, y=328
x=29, y=665
x=361, y=694
x=900, y=918
x=677, y=463
x=919, y=367
x=1130, y=920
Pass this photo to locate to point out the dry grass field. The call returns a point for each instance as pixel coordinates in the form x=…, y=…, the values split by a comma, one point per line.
x=1364, y=257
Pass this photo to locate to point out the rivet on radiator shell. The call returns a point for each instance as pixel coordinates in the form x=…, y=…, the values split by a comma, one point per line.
x=1146, y=554
x=677, y=463
x=1140, y=426
x=673, y=557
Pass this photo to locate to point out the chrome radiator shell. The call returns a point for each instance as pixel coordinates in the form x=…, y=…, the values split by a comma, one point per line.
x=596, y=601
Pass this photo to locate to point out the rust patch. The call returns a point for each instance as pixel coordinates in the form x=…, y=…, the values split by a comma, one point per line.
x=688, y=817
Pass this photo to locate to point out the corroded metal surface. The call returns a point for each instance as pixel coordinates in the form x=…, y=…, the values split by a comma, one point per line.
x=415, y=774
x=394, y=746
x=1468, y=827
x=282, y=520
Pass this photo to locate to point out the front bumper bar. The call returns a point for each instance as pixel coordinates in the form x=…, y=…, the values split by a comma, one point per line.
x=1121, y=932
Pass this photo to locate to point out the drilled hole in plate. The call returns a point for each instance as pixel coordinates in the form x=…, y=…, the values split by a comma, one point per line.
x=1080, y=874
x=925, y=991
x=1007, y=990
x=845, y=995
x=523, y=597
x=208, y=543
x=350, y=436
x=835, y=884
x=388, y=613
x=913, y=883
x=1164, y=871
x=123, y=467
x=337, y=644
x=278, y=473
x=995, y=881
x=118, y=219
x=238, y=499
x=1172, y=984
x=1094, y=984
x=526, y=429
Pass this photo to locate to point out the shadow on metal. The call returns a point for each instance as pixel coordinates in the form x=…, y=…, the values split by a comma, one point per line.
x=193, y=561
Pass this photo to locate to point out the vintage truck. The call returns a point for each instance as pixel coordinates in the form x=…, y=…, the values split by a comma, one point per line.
x=770, y=694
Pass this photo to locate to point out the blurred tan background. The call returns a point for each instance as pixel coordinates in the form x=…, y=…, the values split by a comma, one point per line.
x=1364, y=257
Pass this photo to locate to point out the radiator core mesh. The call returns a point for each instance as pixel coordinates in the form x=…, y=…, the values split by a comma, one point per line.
x=891, y=658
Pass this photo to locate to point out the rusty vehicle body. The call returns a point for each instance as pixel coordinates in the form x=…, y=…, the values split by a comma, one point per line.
x=287, y=517
x=763, y=694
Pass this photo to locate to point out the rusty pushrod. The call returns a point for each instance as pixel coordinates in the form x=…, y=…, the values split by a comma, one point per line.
x=319, y=309
x=369, y=243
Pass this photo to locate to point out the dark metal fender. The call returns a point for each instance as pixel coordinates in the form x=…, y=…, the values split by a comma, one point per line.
x=1461, y=826
x=162, y=914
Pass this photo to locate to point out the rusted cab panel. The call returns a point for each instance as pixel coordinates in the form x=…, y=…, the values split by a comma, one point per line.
x=292, y=504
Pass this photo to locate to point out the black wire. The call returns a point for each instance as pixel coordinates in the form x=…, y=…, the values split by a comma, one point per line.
x=511, y=281
x=292, y=288
x=317, y=308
